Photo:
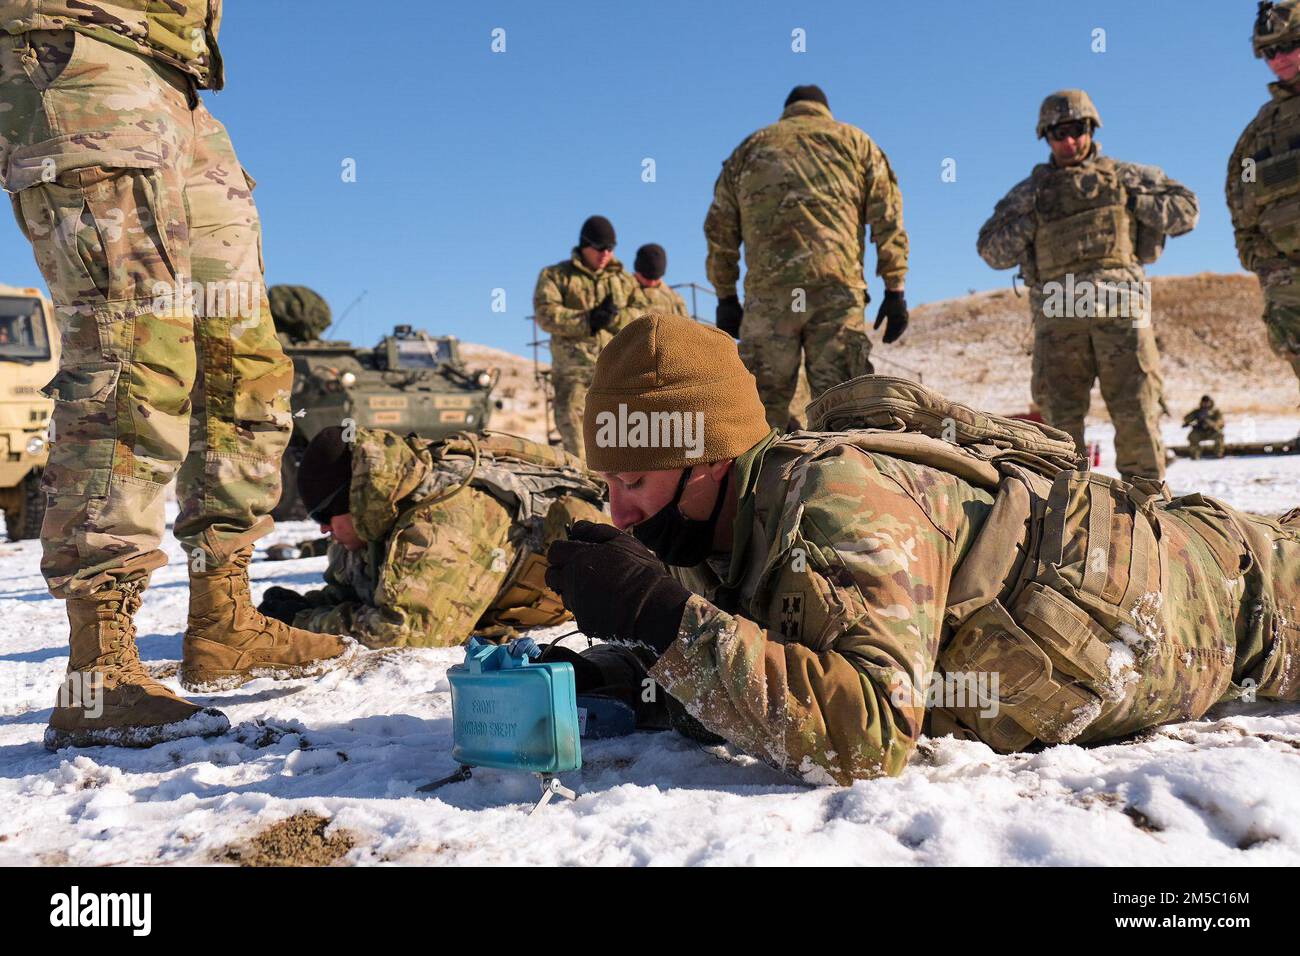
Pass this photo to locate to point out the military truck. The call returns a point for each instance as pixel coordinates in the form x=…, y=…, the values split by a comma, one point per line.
x=410, y=381
x=29, y=357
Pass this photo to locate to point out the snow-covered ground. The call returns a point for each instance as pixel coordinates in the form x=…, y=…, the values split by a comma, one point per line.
x=354, y=745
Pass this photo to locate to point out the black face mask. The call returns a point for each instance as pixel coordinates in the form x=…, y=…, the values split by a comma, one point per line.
x=678, y=540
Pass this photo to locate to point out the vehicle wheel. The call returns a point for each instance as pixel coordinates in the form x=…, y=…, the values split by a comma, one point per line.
x=25, y=521
x=290, y=506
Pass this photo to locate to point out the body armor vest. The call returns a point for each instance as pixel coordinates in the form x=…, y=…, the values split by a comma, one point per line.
x=1275, y=191
x=1083, y=222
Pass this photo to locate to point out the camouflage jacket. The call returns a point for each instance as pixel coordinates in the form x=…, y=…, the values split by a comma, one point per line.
x=814, y=643
x=182, y=33
x=567, y=291
x=799, y=195
x=657, y=298
x=1149, y=205
x=439, y=563
x=1260, y=221
x=1206, y=420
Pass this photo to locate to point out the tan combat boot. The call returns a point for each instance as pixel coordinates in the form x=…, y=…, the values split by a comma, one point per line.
x=228, y=641
x=108, y=698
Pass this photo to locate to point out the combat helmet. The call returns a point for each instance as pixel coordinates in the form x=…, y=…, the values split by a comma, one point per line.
x=1066, y=105
x=1276, y=24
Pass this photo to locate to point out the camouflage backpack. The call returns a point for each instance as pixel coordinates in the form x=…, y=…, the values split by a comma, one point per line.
x=1065, y=562
x=884, y=403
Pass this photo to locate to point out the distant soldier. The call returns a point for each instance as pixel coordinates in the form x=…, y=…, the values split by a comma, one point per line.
x=653, y=294
x=433, y=540
x=1080, y=228
x=1206, y=422
x=1264, y=181
x=581, y=302
x=132, y=197
x=799, y=195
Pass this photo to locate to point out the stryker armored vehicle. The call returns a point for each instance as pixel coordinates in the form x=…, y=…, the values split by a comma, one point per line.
x=410, y=382
x=29, y=357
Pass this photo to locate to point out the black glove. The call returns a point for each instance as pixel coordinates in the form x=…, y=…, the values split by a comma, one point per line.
x=616, y=588
x=602, y=315
x=894, y=311
x=729, y=314
x=282, y=604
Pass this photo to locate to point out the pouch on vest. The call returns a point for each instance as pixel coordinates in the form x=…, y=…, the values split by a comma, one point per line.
x=1100, y=546
x=1085, y=242
x=1017, y=678
x=512, y=714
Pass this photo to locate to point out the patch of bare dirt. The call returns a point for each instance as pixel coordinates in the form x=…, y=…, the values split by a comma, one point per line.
x=299, y=840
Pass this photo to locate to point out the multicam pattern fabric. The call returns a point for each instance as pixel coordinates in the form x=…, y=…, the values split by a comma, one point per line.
x=133, y=198
x=566, y=293
x=439, y=563
x=816, y=641
x=1100, y=220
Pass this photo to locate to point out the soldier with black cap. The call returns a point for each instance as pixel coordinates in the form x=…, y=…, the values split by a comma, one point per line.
x=581, y=302
x=653, y=294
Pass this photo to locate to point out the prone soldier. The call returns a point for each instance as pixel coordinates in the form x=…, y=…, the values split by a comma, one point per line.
x=821, y=599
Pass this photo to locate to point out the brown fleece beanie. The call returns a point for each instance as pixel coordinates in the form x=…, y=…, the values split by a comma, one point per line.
x=670, y=393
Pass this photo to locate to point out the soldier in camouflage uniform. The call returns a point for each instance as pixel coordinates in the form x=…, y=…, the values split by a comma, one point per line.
x=1263, y=186
x=428, y=546
x=652, y=293
x=799, y=195
x=143, y=224
x=1080, y=228
x=836, y=594
x=581, y=302
x=1206, y=422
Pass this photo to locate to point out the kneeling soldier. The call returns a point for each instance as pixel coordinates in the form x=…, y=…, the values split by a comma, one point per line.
x=1206, y=423
x=824, y=584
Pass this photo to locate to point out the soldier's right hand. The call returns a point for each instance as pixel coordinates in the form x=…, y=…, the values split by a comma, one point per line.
x=893, y=312
x=602, y=315
x=729, y=315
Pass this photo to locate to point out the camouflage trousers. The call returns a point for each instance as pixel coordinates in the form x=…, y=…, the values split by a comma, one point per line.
x=829, y=331
x=1282, y=317
x=1198, y=435
x=143, y=224
x=1069, y=355
x=573, y=362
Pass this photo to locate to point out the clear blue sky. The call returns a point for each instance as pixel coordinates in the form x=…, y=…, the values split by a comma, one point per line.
x=475, y=169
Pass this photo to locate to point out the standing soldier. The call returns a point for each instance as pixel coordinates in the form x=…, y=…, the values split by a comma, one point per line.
x=652, y=294
x=1080, y=228
x=799, y=195
x=132, y=198
x=581, y=302
x=1206, y=423
x=1264, y=181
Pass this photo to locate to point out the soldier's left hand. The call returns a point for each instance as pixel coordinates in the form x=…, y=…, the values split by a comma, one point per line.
x=616, y=587
x=893, y=311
